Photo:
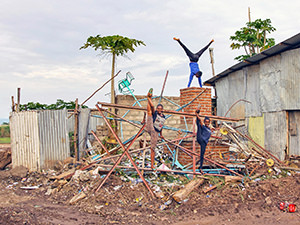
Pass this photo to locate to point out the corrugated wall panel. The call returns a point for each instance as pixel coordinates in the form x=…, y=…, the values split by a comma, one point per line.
x=25, y=140
x=290, y=80
x=54, y=137
x=252, y=109
x=294, y=132
x=93, y=123
x=83, y=126
x=229, y=91
x=270, y=84
x=275, y=133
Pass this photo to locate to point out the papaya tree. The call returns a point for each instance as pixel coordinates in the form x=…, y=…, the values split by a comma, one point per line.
x=115, y=46
x=253, y=38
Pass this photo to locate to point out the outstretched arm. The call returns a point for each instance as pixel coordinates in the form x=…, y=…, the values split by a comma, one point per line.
x=204, y=49
x=150, y=105
x=198, y=117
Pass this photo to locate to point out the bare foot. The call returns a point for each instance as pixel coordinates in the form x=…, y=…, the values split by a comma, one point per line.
x=176, y=39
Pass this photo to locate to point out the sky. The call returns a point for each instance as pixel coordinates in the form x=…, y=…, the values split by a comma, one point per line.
x=40, y=41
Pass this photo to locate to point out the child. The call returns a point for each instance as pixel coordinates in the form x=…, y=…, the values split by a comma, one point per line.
x=203, y=135
x=194, y=57
x=154, y=124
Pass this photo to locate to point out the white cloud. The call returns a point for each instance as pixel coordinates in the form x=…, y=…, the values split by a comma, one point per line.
x=40, y=41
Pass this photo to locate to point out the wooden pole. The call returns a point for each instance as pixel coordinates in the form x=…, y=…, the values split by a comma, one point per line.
x=76, y=130
x=12, y=104
x=100, y=88
x=249, y=17
x=163, y=87
x=194, y=147
x=211, y=54
x=18, y=99
x=109, y=105
x=112, y=88
x=270, y=154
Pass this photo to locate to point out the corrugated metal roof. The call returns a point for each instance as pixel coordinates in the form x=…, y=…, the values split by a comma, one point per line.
x=291, y=43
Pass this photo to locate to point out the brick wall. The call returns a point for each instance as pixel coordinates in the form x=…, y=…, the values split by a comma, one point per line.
x=186, y=95
x=129, y=130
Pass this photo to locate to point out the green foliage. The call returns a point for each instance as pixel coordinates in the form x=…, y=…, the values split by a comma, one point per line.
x=253, y=38
x=60, y=104
x=4, y=131
x=116, y=44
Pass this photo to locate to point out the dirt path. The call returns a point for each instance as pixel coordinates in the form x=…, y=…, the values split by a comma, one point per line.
x=25, y=209
x=30, y=207
x=120, y=202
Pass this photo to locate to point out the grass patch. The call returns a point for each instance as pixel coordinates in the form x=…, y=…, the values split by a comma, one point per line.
x=5, y=140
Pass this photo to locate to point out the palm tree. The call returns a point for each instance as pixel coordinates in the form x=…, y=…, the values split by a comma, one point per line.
x=115, y=45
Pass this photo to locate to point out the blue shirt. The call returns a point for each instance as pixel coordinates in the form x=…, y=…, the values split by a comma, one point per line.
x=203, y=133
x=194, y=68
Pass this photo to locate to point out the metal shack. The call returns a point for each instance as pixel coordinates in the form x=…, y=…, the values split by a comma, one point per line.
x=271, y=82
x=39, y=138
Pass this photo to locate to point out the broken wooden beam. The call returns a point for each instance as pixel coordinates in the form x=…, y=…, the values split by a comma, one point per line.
x=183, y=193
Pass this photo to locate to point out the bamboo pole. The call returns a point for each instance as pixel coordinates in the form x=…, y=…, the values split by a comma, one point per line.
x=168, y=171
x=141, y=149
x=209, y=160
x=113, y=77
x=194, y=147
x=109, y=105
x=270, y=154
x=124, y=153
x=12, y=104
x=76, y=130
x=211, y=54
x=121, y=118
x=99, y=141
x=163, y=87
x=18, y=99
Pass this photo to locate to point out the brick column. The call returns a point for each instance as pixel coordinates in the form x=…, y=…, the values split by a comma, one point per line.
x=187, y=95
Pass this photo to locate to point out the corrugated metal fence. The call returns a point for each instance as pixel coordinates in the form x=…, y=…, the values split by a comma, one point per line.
x=39, y=138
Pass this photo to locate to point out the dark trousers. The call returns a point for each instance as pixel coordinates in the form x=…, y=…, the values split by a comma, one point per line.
x=203, y=148
x=194, y=57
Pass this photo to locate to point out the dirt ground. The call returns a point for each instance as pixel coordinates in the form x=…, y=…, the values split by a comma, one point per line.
x=38, y=198
x=120, y=202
